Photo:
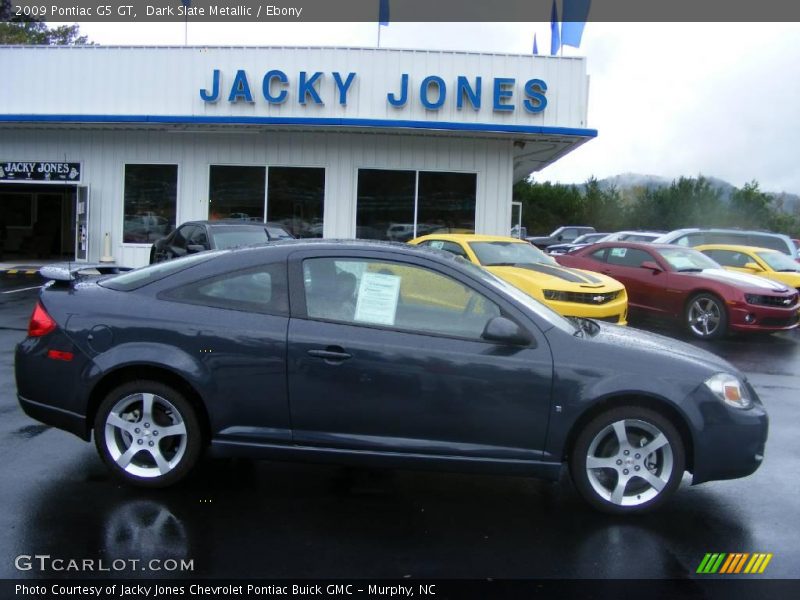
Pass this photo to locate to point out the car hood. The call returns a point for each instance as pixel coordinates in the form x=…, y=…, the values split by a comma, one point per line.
x=661, y=347
x=741, y=280
x=555, y=277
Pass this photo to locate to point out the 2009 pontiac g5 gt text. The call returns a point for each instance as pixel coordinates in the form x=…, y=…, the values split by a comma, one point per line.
x=376, y=354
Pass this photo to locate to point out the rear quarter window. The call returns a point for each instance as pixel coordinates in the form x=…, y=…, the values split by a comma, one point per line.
x=261, y=289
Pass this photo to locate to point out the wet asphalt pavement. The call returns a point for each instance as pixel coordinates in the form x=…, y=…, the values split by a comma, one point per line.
x=239, y=518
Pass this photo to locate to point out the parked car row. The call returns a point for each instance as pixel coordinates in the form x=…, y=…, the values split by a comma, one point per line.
x=690, y=238
x=686, y=286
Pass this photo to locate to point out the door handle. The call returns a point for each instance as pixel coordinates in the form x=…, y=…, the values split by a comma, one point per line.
x=332, y=353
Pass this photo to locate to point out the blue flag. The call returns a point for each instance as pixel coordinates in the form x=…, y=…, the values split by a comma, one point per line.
x=383, y=12
x=535, y=46
x=555, y=38
x=575, y=14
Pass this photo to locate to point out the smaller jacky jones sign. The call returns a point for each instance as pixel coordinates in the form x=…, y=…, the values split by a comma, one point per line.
x=67, y=172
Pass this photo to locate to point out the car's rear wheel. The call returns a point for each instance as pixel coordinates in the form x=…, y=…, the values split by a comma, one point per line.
x=148, y=434
x=627, y=460
x=706, y=317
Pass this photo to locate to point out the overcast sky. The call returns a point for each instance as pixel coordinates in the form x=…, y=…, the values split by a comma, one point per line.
x=667, y=99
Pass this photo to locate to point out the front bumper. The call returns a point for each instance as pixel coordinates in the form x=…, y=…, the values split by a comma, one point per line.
x=753, y=317
x=615, y=311
x=731, y=441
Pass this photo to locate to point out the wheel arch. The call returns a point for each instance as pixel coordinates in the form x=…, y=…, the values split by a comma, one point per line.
x=703, y=290
x=128, y=373
x=648, y=401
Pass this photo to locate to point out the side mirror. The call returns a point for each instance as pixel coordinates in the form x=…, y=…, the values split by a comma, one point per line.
x=652, y=265
x=195, y=248
x=753, y=267
x=505, y=331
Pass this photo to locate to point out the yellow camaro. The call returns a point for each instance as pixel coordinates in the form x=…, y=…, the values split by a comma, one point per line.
x=763, y=262
x=570, y=292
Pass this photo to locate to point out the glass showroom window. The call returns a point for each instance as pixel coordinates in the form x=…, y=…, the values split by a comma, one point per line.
x=151, y=194
x=236, y=193
x=446, y=202
x=388, y=201
x=295, y=199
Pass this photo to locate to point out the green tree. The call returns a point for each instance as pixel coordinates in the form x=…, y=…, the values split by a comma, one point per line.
x=17, y=30
x=602, y=208
x=750, y=207
x=546, y=206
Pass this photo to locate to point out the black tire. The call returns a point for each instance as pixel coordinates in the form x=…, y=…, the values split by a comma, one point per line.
x=706, y=317
x=168, y=437
x=601, y=439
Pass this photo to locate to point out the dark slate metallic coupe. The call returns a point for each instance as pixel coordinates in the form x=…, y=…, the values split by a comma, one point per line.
x=376, y=354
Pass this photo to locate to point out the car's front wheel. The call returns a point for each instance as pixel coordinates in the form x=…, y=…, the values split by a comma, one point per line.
x=706, y=317
x=148, y=434
x=627, y=460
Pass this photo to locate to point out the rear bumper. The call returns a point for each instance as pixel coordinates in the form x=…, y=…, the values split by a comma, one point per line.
x=57, y=417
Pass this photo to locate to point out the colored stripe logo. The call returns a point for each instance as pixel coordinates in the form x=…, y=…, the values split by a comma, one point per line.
x=733, y=563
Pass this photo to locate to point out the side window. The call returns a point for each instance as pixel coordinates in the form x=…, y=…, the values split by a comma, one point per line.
x=599, y=255
x=569, y=234
x=768, y=241
x=261, y=289
x=450, y=247
x=396, y=295
x=183, y=234
x=627, y=257
x=729, y=259
x=198, y=237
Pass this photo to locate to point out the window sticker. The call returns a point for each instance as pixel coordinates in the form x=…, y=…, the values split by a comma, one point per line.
x=438, y=244
x=619, y=252
x=377, y=298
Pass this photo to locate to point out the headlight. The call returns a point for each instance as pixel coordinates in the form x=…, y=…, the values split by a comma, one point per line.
x=730, y=390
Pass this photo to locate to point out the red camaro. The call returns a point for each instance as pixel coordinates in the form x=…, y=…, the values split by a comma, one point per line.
x=680, y=283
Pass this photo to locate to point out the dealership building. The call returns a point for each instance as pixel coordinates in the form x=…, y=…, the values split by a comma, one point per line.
x=105, y=149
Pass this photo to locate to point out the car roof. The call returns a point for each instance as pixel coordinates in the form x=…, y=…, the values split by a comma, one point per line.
x=226, y=222
x=736, y=248
x=469, y=237
x=639, y=245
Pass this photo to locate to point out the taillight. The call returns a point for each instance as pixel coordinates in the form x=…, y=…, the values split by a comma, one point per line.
x=41, y=323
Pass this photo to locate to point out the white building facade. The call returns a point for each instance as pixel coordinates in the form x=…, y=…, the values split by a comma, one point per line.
x=336, y=142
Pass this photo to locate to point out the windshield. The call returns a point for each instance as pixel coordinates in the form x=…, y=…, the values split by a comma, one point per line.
x=497, y=254
x=686, y=259
x=588, y=238
x=230, y=237
x=543, y=311
x=144, y=275
x=778, y=261
x=278, y=233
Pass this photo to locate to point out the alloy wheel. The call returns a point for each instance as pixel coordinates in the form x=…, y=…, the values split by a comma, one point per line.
x=145, y=435
x=705, y=316
x=629, y=462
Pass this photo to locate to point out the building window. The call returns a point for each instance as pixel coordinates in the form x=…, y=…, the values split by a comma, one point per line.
x=385, y=204
x=401, y=205
x=295, y=199
x=151, y=194
x=236, y=193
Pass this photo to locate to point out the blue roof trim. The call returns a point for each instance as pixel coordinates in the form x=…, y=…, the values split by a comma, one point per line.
x=319, y=122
